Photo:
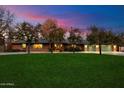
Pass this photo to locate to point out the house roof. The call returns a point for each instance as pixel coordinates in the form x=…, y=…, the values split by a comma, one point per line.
x=44, y=41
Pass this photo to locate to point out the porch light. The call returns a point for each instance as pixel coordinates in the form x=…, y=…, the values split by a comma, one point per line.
x=85, y=46
x=114, y=46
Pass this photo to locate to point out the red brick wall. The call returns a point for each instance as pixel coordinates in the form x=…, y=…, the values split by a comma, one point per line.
x=17, y=47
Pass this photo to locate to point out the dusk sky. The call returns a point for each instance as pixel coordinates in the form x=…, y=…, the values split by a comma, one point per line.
x=82, y=16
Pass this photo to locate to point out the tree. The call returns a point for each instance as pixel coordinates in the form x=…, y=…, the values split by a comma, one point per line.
x=26, y=33
x=6, y=20
x=74, y=38
x=120, y=39
x=57, y=36
x=1, y=40
x=114, y=38
x=96, y=36
x=38, y=32
x=109, y=37
x=48, y=29
x=102, y=36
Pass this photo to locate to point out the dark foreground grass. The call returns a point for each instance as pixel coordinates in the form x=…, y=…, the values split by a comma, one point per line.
x=62, y=70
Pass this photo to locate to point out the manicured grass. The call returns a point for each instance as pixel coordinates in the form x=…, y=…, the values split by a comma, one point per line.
x=62, y=70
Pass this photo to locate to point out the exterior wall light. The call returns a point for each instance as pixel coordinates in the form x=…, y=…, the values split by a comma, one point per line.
x=114, y=46
x=85, y=46
x=97, y=46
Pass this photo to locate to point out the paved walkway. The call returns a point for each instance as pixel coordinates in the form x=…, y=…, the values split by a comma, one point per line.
x=109, y=53
x=114, y=53
x=12, y=53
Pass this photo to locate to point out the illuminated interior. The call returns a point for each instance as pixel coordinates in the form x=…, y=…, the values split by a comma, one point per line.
x=37, y=46
x=23, y=45
x=58, y=46
x=55, y=45
x=73, y=45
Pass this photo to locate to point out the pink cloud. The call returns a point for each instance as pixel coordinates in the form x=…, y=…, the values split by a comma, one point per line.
x=32, y=16
x=35, y=17
x=64, y=22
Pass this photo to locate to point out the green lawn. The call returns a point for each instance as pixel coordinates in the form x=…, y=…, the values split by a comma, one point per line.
x=62, y=70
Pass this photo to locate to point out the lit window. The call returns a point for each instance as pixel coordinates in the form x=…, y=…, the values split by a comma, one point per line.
x=61, y=45
x=37, y=46
x=55, y=45
x=73, y=45
x=23, y=45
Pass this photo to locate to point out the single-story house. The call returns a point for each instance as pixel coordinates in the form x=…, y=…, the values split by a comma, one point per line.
x=43, y=46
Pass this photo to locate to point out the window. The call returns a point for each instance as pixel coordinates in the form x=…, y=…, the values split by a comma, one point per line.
x=37, y=46
x=23, y=45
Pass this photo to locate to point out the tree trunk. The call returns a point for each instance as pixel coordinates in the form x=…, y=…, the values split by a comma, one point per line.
x=4, y=47
x=73, y=49
x=28, y=48
x=51, y=48
x=99, y=41
x=100, y=50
